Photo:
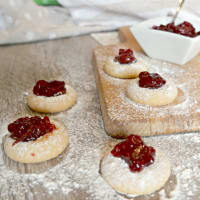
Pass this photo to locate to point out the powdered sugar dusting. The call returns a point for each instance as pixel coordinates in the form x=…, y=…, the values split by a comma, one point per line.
x=75, y=173
x=117, y=173
x=121, y=108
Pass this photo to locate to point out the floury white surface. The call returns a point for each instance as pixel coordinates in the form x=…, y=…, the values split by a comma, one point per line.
x=75, y=173
x=164, y=45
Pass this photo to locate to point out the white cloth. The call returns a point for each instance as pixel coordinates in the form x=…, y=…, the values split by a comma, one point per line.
x=24, y=21
x=125, y=12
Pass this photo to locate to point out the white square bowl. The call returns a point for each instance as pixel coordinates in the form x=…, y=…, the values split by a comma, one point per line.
x=165, y=45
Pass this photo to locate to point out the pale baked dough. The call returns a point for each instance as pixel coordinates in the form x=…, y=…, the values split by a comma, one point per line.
x=44, y=148
x=118, y=70
x=53, y=104
x=153, y=97
x=117, y=174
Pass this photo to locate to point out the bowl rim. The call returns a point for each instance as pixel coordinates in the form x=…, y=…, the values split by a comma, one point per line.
x=145, y=25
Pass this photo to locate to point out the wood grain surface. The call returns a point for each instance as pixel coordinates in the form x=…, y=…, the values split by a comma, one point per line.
x=74, y=175
x=123, y=117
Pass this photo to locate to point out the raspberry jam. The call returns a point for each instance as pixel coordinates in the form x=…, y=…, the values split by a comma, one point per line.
x=49, y=89
x=150, y=80
x=185, y=28
x=125, y=56
x=134, y=151
x=29, y=129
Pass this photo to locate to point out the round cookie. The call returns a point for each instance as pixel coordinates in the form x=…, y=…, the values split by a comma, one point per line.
x=53, y=104
x=117, y=174
x=118, y=70
x=44, y=148
x=153, y=97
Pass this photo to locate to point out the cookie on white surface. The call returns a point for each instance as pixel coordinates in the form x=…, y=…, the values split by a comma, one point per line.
x=163, y=95
x=43, y=148
x=52, y=104
x=117, y=174
x=133, y=168
x=129, y=69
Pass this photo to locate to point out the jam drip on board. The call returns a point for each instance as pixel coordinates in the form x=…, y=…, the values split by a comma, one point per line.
x=134, y=151
x=185, y=28
x=125, y=56
x=49, y=89
x=29, y=129
x=151, y=80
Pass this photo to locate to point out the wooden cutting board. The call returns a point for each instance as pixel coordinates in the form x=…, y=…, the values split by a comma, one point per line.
x=122, y=116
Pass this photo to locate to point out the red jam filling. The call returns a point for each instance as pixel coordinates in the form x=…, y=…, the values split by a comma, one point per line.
x=134, y=151
x=185, y=28
x=49, y=89
x=150, y=80
x=125, y=56
x=29, y=129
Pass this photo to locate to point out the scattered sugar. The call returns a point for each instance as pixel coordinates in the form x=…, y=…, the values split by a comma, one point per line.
x=75, y=173
x=186, y=104
x=26, y=93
